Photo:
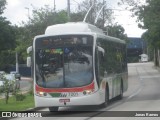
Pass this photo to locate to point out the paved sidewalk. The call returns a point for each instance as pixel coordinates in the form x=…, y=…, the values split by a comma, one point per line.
x=156, y=67
x=27, y=78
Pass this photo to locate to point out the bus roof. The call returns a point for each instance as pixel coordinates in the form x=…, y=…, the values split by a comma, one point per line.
x=77, y=28
x=72, y=27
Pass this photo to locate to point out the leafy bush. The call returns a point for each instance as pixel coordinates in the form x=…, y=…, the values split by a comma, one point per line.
x=20, y=97
x=7, y=87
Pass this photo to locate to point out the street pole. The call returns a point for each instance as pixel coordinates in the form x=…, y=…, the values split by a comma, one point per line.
x=103, y=14
x=17, y=66
x=54, y=5
x=142, y=47
x=68, y=9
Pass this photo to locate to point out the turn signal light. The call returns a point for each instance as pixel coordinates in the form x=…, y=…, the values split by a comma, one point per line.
x=41, y=94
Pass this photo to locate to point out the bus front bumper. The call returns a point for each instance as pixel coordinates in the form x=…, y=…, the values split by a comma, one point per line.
x=93, y=99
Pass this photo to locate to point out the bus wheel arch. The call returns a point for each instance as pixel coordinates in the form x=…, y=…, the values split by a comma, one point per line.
x=106, y=102
x=121, y=90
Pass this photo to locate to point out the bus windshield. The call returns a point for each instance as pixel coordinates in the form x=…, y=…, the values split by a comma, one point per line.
x=64, y=61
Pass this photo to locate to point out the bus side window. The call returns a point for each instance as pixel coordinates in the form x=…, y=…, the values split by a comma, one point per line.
x=110, y=58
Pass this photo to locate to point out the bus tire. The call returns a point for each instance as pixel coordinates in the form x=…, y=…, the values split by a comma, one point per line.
x=121, y=91
x=105, y=104
x=53, y=109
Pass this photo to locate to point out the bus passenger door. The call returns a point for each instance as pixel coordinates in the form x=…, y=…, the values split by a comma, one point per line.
x=100, y=69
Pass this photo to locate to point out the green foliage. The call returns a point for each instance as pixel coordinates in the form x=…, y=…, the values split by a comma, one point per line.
x=148, y=16
x=7, y=35
x=105, y=15
x=20, y=97
x=7, y=57
x=7, y=44
x=7, y=39
x=16, y=39
x=117, y=31
x=77, y=16
x=14, y=105
x=42, y=18
x=2, y=5
x=8, y=86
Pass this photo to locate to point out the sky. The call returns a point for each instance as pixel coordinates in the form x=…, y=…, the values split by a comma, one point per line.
x=18, y=10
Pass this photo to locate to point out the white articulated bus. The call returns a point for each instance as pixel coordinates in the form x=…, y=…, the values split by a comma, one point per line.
x=76, y=64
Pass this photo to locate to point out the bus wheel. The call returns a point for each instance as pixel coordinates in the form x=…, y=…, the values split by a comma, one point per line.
x=121, y=92
x=53, y=109
x=106, y=98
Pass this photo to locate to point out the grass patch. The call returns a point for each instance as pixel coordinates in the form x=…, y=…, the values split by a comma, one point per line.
x=14, y=105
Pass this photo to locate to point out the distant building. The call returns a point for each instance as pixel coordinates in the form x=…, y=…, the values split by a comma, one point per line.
x=135, y=48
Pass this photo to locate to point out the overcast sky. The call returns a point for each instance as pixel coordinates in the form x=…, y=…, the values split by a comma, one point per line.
x=16, y=12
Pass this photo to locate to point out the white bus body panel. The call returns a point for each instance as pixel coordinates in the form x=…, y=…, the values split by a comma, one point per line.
x=71, y=28
x=93, y=99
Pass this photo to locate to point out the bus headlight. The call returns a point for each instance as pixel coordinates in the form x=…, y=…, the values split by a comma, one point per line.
x=87, y=92
x=41, y=94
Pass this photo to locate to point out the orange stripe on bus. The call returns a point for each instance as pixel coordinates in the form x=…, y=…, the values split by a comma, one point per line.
x=75, y=89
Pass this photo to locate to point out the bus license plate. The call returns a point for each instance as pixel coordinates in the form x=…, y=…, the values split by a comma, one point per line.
x=64, y=100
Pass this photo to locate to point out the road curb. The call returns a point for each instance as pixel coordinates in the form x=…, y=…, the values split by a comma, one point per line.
x=26, y=78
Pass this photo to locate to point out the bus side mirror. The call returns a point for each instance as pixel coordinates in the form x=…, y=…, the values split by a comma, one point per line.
x=28, y=61
x=101, y=52
x=29, y=49
x=100, y=49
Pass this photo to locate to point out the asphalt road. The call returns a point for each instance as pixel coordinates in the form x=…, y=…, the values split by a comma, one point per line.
x=25, y=84
x=142, y=95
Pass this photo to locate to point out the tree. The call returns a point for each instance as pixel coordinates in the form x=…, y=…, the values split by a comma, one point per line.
x=7, y=35
x=40, y=20
x=148, y=16
x=105, y=15
x=47, y=16
x=6, y=31
x=2, y=5
x=44, y=17
x=116, y=31
x=7, y=39
x=77, y=16
x=8, y=86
